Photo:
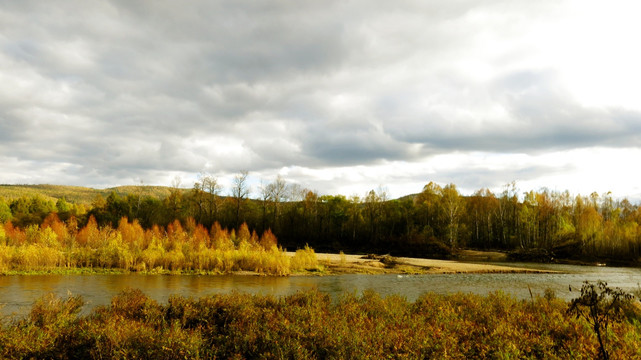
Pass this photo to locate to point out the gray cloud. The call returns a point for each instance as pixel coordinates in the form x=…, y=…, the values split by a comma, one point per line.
x=106, y=92
x=470, y=181
x=536, y=114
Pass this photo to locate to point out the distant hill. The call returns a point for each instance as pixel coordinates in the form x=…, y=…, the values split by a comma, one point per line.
x=79, y=194
x=406, y=197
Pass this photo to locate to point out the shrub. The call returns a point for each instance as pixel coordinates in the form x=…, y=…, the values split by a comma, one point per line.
x=304, y=259
x=600, y=306
x=52, y=330
x=310, y=325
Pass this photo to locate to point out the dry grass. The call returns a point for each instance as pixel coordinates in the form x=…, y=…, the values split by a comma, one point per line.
x=54, y=245
x=304, y=259
x=309, y=325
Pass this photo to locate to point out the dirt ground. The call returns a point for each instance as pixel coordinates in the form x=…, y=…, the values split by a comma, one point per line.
x=374, y=264
x=476, y=255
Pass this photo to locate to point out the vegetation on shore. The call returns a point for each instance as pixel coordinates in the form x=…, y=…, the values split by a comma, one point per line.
x=309, y=325
x=541, y=225
x=56, y=246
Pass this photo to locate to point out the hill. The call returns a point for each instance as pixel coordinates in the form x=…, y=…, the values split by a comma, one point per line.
x=79, y=194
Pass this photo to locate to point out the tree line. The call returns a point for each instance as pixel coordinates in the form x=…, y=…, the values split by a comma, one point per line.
x=436, y=222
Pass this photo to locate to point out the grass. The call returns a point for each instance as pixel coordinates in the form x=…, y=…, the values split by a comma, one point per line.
x=309, y=325
x=67, y=271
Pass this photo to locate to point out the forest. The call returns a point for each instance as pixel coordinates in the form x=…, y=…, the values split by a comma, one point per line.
x=542, y=225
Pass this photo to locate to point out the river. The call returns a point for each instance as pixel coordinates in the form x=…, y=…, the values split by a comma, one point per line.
x=18, y=292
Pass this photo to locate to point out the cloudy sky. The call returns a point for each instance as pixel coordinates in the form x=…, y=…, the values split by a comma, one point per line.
x=337, y=96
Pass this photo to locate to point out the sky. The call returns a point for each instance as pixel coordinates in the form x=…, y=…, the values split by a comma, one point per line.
x=340, y=97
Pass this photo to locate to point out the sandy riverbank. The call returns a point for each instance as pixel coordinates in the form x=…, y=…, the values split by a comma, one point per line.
x=360, y=264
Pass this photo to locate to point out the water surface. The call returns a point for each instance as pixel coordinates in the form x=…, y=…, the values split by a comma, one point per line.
x=18, y=292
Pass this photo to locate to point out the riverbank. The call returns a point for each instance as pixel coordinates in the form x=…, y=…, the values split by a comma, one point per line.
x=334, y=264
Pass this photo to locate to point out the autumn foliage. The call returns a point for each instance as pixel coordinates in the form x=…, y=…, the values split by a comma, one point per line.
x=537, y=225
x=57, y=244
x=311, y=325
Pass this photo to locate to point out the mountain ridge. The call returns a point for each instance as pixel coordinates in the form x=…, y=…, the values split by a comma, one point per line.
x=80, y=194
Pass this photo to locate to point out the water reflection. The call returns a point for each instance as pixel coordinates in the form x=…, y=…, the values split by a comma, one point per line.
x=18, y=293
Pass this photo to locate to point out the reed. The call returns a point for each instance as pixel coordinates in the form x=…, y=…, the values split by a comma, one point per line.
x=6, y=255
x=304, y=259
x=131, y=248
